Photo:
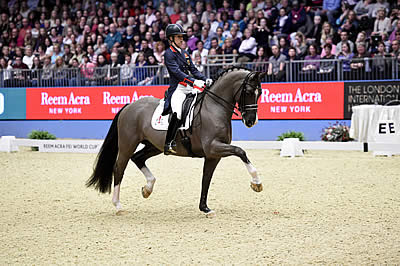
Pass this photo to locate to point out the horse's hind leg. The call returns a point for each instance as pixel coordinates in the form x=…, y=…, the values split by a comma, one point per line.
x=139, y=158
x=124, y=154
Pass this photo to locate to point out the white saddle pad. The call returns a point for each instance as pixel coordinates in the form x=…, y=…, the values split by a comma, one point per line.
x=159, y=122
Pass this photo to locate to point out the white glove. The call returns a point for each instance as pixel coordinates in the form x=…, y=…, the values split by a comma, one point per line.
x=209, y=82
x=198, y=83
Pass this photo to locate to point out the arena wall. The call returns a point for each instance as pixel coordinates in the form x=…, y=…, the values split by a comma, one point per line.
x=86, y=112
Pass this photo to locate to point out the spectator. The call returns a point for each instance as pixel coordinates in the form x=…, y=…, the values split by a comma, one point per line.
x=297, y=16
x=56, y=53
x=327, y=30
x=215, y=45
x=91, y=54
x=87, y=69
x=379, y=5
x=362, y=38
x=283, y=46
x=281, y=25
x=363, y=11
x=331, y=8
x=276, y=66
x=351, y=25
x=205, y=38
x=382, y=23
x=201, y=51
x=22, y=32
x=344, y=38
x=260, y=60
x=271, y=13
x=127, y=71
x=395, y=51
x=183, y=21
x=360, y=63
x=5, y=53
x=140, y=73
x=329, y=40
x=312, y=59
x=292, y=55
x=198, y=64
x=345, y=56
x=35, y=71
x=145, y=48
x=114, y=69
x=300, y=44
x=248, y=47
x=59, y=72
x=177, y=13
x=226, y=8
x=20, y=72
x=237, y=18
x=236, y=40
x=380, y=62
x=113, y=38
x=150, y=17
x=262, y=33
x=100, y=73
x=329, y=65
x=159, y=51
x=191, y=41
x=28, y=58
x=227, y=49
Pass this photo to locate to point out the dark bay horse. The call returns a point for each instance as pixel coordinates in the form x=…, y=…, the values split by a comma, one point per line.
x=210, y=138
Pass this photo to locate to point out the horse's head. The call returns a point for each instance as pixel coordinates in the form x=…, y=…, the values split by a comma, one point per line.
x=250, y=91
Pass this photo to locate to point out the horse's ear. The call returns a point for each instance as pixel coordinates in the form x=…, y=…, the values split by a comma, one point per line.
x=260, y=75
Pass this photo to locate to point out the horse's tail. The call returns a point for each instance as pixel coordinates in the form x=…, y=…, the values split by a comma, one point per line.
x=103, y=171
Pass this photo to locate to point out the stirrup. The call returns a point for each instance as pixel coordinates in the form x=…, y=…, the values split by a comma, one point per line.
x=170, y=148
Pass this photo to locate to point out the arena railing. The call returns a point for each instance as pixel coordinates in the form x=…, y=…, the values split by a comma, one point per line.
x=294, y=71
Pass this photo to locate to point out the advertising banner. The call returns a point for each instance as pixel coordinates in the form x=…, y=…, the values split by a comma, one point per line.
x=359, y=93
x=319, y=100
x=84, y=102
x=12, y=103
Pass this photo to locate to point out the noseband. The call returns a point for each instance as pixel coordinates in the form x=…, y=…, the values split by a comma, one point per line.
x=243, y=108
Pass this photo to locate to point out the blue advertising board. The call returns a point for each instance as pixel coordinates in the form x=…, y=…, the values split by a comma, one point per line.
x=12, y=103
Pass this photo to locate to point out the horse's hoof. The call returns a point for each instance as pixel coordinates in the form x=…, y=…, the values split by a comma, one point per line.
x=256, y=187
x=120, y=212
x=145, y=193
x=211, y=214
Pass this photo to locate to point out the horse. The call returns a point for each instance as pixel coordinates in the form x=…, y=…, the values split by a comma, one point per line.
x=210, y=136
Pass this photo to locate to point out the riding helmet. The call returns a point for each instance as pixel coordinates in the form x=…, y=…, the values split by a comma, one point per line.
x=174, y=29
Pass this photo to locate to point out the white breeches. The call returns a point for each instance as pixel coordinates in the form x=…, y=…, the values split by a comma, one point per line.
x=178, y=97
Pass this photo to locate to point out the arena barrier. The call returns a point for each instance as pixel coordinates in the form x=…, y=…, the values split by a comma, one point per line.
x=288, y=147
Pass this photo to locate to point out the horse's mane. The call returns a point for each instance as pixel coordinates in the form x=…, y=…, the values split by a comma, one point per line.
x=230, y=69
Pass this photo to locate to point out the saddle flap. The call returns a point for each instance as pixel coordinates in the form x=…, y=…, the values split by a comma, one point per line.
x=160, y=122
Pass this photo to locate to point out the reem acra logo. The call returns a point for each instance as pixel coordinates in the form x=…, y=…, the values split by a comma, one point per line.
x=1, y=103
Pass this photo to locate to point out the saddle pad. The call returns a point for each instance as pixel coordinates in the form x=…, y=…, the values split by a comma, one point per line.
x=159, y=122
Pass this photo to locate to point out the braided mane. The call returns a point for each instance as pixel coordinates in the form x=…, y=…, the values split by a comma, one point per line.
x=230, y=69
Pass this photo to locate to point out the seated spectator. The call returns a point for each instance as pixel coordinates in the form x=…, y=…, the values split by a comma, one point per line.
x=345, y=56
x=300, y=44
x=329, y=40
x=362, y=38
x=191, y=40
x=74, y=73
x=276, y=66
x=351, y=25
x=297, y=16
x=215, y=45
x=364, y=9
x=395, y=31
x=159, y=50
x=283, y=46
x=314, y=36
x=28, y=57
x=145, y=48
x=141, y=73
x=198, y=64
x=382, y=23
x=331, y=8
x=113, y=37
x=395, y=49
x=292, y=54
x=344, y=38
x=248, y=48
x=79, y=53
x=312, y=59
x=68, y=55
x=56, y=53
x=201, y=51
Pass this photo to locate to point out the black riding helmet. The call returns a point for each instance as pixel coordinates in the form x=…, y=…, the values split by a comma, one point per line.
x=175, y=29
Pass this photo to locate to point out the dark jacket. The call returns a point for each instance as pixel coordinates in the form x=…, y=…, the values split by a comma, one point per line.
x=180, y=68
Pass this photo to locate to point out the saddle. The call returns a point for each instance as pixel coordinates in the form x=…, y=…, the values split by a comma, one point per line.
x=160, y=122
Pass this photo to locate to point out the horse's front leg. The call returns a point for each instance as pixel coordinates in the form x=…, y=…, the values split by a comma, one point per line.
x=208, y=171
x=224, y=150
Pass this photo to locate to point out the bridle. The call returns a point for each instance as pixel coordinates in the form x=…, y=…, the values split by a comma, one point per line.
x=243, y=107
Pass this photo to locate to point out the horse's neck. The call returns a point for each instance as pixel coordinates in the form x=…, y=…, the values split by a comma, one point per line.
x=226, y=87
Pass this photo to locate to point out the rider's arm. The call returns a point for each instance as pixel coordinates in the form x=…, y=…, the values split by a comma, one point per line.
x=173, y=69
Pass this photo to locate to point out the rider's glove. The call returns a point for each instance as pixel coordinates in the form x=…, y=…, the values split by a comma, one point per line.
x=209, y=82
x=198, y=84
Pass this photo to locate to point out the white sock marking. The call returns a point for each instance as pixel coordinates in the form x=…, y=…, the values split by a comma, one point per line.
x=253, y=172
x=149, y=177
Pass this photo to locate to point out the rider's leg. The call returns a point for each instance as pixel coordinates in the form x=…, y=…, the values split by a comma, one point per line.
x=176, y=104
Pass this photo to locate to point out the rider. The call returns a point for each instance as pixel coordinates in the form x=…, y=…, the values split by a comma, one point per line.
x=180, y=66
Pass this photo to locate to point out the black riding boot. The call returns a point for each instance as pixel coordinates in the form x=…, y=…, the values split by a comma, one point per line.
x=170, y=144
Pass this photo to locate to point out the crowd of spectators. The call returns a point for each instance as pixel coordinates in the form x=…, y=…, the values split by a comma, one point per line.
x=100, y=37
